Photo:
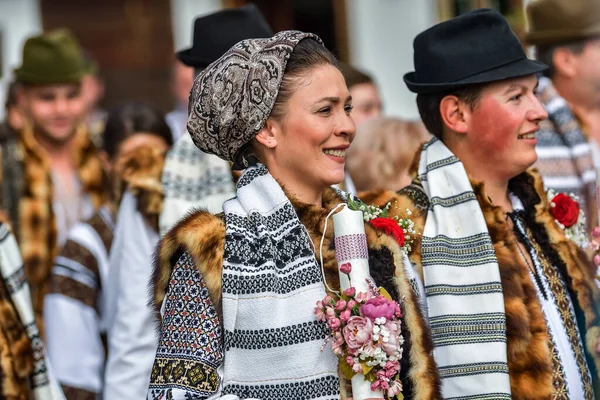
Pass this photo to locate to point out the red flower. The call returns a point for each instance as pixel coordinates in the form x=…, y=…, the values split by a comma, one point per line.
x=565, y=210
x=390, y=227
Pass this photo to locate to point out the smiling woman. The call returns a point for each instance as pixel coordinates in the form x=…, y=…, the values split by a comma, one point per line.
x=240, y=289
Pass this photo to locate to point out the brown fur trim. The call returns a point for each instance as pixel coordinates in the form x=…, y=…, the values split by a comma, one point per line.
x=38, y=234
x=529, y=360
x=203, y=236
x=16, y=354
x=141, y=172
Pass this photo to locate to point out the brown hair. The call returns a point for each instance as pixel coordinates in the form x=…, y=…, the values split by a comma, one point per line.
x=353, y=76
x=383, y=151
x=545, y=54
x=306, y=55
x=429, y=106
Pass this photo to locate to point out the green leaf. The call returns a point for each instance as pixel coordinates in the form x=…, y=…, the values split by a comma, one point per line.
x=384, y=293
x=400, y=396
x=346, y=369
x=366, y=369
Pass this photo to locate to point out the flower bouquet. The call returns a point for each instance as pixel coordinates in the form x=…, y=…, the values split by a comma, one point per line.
x=366, y=333
x=569, y=216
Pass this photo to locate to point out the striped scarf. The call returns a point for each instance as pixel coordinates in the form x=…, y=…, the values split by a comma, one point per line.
x=43, y=384
x=192, y=179
x=462, y=283
x=564, y=155
x=271, y=283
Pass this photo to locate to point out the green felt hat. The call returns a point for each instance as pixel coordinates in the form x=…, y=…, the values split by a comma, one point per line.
x=51, y=58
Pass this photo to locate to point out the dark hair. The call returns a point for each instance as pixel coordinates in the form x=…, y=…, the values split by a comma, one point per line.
x=130, y=118
x=11, y=95
x=429, y=106
x=354, y=76
x=545, y=54
x=306, y=55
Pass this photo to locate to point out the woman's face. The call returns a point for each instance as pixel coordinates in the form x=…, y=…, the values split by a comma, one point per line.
x=310, y=141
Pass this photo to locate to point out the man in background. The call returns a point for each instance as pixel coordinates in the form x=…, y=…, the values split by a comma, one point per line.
x=566, y=36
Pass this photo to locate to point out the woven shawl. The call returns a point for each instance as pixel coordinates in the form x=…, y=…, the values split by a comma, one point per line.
x=193, y=179
x=43, y=385
x=462, y=283
x=271, y=282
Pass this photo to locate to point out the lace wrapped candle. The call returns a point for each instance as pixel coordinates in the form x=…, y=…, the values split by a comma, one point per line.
x=351, y=246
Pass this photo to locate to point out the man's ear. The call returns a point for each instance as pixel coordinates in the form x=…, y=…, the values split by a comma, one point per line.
x=454, y=114
x=565, y=62
x=269, y=133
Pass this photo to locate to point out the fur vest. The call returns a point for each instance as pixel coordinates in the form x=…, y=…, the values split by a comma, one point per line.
x=140, y=172
x=27, y=201
x=203, y=236
x=529, y=359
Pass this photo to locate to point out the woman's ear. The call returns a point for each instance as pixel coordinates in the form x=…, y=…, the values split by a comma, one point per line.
x=454, y=114
x=269, y=133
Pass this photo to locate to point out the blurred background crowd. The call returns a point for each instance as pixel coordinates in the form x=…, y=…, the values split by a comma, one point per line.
x=133, y=64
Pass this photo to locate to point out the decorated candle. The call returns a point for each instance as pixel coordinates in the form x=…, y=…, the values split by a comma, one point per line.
x=351, y=246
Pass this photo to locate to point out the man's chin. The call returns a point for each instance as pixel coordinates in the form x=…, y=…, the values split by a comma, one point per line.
x=58, y=137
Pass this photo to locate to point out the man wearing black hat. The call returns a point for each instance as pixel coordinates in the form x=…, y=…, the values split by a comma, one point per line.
x=511, y=301
x=191, y=179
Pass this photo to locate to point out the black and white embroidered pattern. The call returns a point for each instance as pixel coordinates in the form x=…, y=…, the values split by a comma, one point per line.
x=233, y=97
x=317, y=389
x=193, y=175
x=271, y=283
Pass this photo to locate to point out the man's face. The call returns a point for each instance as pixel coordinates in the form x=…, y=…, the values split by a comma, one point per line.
x=501, y=129
x=54, y=110
x=182, y=82
x=366, y=102
x=587, y=72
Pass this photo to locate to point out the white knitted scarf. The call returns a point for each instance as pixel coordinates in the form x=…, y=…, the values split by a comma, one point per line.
x=271, y=283
x=462, y=283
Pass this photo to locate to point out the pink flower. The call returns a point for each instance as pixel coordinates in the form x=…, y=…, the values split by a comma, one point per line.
x=357, y=332
x=362, y=297
x=340, y=305
x=350, y=360
x=597, y=260
x=345, y=315
x=338, y=342
x=350, y=292
x=596, y=232
x=330, y=313
x=357, y=368
x=334, y=324
x=326, y=300
x=351, y=304
x=391, y=346
x=319, y=312
x=378, y=307
x=345, y=268
x=595, y=245
x=395, y=388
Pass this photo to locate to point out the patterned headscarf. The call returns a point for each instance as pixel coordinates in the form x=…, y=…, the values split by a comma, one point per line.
x=233, y=97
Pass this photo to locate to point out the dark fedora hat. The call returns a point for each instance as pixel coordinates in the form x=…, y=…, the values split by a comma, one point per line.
x=474, y=48
x=216, y=33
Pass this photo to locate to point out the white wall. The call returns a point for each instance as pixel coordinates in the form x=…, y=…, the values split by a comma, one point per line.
x=183, y=14
x=380, y=35
x=19, y=19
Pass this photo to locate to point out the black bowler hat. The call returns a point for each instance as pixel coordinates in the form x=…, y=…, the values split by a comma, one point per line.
x=477, y=47
x=216, y=33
